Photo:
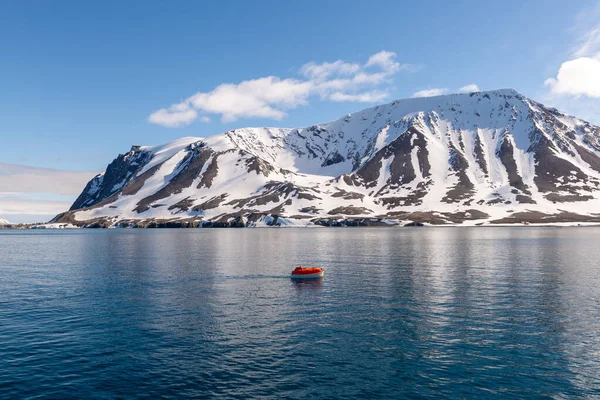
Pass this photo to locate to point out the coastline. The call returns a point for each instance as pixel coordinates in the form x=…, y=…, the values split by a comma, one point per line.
x=390, y=225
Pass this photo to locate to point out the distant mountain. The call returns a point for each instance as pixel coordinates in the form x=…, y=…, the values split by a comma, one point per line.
x=463, y=158
x=4, y=222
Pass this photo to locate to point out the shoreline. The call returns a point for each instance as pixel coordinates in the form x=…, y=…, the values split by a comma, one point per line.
x=56, y=226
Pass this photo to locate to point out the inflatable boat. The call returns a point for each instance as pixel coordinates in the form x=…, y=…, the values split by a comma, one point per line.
x=307, y=273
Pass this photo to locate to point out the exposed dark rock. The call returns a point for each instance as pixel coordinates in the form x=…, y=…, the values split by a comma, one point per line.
x=351, y=222
x=118, y=173
x=414, y=224
x=311, y=209
x=464, y=187
x=590, y=158
x=158, y=223
x=536, y=217
x=468, y=215
x=275, y=221
x=430, y=217
x=347, y=195
x=401, y=167
x=567, y=198
x=506, y=155
x=211, y=171
x=213, y=202
x=479, y=155
x=273, y=192
x=307, y=196
x=256, y=216
x=348, y=179
x=333, y=158
x=497, y=200
x=414, y=199
x=183, y=205
x=133, y=186
x=525, y=199
x=280, y=209
x=261, y=167
x=350, y=211
x=189, y=169
x=553, y=173
x=439, y=218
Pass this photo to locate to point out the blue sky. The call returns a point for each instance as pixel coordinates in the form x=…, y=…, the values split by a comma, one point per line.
x=80, y=80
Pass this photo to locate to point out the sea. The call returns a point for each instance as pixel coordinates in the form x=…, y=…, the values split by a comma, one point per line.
x=449, y=312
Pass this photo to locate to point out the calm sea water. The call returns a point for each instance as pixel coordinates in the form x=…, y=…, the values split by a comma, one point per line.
x=447, y=312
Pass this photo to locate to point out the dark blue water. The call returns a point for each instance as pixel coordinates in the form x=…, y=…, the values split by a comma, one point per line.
x=465, y=312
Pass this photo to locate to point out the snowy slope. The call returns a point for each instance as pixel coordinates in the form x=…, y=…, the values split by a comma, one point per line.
x=4, y=222
x=467, y=158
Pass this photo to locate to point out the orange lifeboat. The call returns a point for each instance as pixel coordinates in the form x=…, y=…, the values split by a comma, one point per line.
x=307, y=273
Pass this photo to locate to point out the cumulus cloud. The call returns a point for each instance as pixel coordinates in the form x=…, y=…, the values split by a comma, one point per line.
x=386, y=60
x=172, y=118
x=271, y=97
x=577, y=77
x=431, y=92
x=469, y=88
x=580, y=76
x=263, y=98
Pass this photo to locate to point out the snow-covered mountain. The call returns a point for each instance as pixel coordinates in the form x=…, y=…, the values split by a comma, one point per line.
x=4, y=222
x=463, y=158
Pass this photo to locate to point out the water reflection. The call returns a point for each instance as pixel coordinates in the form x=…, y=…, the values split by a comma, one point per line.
x=308, y=284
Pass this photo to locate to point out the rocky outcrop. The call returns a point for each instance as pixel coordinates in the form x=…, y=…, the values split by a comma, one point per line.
x=118, y=173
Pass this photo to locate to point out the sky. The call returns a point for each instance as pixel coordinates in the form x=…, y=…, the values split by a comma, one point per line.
x=80, y=82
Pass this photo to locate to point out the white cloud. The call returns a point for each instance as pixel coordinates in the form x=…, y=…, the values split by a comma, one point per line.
x=325, y=70
x=430, y=92
x=369, y=97
x=590, y=44
x=271, y=97
x=442, y=91
x=577, y=77
x=385, y=60
x=586, y=33
x=469, y=88
x=263, y=98
x=580, y=76
x=205, y=119
x=172, y=118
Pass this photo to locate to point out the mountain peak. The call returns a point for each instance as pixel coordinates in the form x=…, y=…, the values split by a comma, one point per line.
x=467, y=157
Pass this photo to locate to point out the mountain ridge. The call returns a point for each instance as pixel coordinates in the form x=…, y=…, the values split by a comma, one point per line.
x=476, y=157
